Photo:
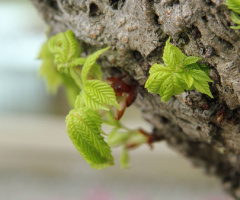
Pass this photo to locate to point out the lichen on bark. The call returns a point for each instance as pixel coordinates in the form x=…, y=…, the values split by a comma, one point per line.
x=137, y=30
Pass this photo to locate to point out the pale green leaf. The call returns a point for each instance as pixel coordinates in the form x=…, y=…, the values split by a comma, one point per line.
x=77, y=62
x=157, y=68
x=79, y=102
x=167, y=52
x=191, y=60
x=235, y=18
x=234, y=5
x=110, y=120
x=71, y=89
x=172, y=56
x=48, y=70
x=155, y=81
x=178, y=56
x=235, y=27
x=65, y=48
x=76, y=75
x=117, y=137
x=124, y=158
x=203, y=87
x=199, y=75
x=171, y=86
x=83, y=127
x=98, y=95
x=91, y=59
x=188, y=79
x=95, y=72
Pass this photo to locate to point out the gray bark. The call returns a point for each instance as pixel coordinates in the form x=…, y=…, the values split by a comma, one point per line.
x=137, y=31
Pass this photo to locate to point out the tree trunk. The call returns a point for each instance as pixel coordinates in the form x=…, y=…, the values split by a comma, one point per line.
x=205, y=130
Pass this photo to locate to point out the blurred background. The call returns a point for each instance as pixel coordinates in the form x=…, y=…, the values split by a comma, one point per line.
x=38, y=160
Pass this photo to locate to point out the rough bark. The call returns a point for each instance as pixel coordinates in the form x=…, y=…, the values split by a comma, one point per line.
x=137, y=31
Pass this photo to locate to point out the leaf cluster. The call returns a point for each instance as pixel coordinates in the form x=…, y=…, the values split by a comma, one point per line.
x=179, y=73
x=91, y=97
x=234, y=5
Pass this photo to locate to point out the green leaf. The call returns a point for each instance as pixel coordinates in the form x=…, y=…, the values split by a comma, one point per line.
x=203, y=87
x=95, y=72
x=155, y=81
x=199, y=75
x=235, y=18
x=77, y=62
x=91, y=59
x=124, y=158
x=71, y=89
x=65, y=48
x=234, y=5
x=111, y=121
x=48, y=70
x=98, y=94
x=83, y=127
x=171, y=86
x=172, y=56
x=76, y=75
x=191, y=60
x=117, y=137
x=167, y=53
x=79, y=102
x=188, y=79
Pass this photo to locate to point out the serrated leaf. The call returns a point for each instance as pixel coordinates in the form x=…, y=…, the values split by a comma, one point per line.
x=157, y=67
x=71, y=89
x=48, y=70
x=79, y=102
x=235, y=17
x=235, y=27
x=83, y=127
x=76, y=76
x=65, y=48
x=77, y=62
x=91, y=59
x=203, y=87
x=98, y=95
x=234, y=5
x=167, y=53
x=191, y=60
x=172, y=56
x=188, y=79
x=95, y=72
x=155, y=81
x=199, y=75
x=124, y=160
x=171, y=86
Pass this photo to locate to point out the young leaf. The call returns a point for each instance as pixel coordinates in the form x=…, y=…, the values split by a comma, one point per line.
x=179, y=73
x=48, y=70
x=191, y=60
x=65, y=48
x=71, y=89
x=91, y=59
x=188, y=79
x=171, y=86
x=172, y=56
x=83, y=127
x=98, y=95
x=203, y=87
x=124, y=158
x=155, y=81
x=234, y=5
x=199, y=75
x=236, y=19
